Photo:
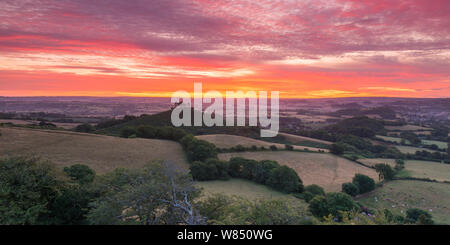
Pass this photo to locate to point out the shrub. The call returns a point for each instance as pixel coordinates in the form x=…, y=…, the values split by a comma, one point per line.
x=240, y=148
x=262, y=171
x=85, y=128
x=187, y=140
x=350, y=189
x=202, y=171
x=146, y=132
x=338, y=201
x=81, y=173
x=337, y=149
x=127, y=132
x=332, y=203
x=72, y=206
x=212, y=169
x=306, y=195
x=385, y=172
x=364, y=183
x=249, y=169
x=288, y=147
x=319, y=206
x=28, y=188
x=199, y=150
x=285, y=179
x=315, y=189
x=273, y=147
x=414, y=215
x=235, y=166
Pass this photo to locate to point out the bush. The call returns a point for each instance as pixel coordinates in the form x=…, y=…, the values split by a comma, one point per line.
x=249, y=169
x=81, y=173
x=28, y=188
x=288, y=147
x=319, y=206
x=202, y=171
x=273, y=147
x=315, y=189
x=85, y=128
x=235, y=166
x=385, y=172
x=337, y=149
x=262, y=171
x=350, y=189
x=364, y=183
x=127, y=132
x=212, y=169
x=198, y=150
x=332, y=203
x=306, y=195
x=240, y=148
x=187, y=140
x=146, y=132
x=285, y=179
x=415, y=215
x=72, y=206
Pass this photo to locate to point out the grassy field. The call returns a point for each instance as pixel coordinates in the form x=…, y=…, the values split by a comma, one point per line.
x=407, y=128
x=228, y=141
x=426, y=169
x=411, y=149
x=239, y=187
x=102, y=153
x=296, y=138
x=391, y=139
x=326, y=170
x=400, y=195
x=440, y=144
x=374, y=161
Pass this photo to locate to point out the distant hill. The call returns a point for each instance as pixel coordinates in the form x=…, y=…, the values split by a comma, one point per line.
x=164, y=119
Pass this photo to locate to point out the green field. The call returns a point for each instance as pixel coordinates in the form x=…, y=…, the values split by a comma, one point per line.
x=411, y=149
x=426, y=170
x=240, y=187
x=392, y=139
x=407, y=128
x=326, y=170
x=373, y=161
x=227, y=141
x=440, y=144
x=400, y=195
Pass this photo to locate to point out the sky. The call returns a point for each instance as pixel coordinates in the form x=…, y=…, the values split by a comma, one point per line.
x=304, y=49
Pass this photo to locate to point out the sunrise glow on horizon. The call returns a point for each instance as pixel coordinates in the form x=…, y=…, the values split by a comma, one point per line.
x=304, y=49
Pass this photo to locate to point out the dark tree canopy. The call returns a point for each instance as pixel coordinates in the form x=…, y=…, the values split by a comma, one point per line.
x=364, y=183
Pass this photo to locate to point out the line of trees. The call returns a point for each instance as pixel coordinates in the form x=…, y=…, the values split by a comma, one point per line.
x=360, y=184
x=266, y=172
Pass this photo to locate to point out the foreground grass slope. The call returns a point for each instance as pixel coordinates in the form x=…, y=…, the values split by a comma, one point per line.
x=326, y=170
x=400, y=195
x=102, y=153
